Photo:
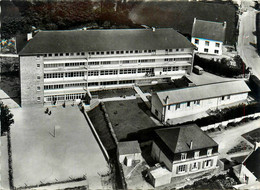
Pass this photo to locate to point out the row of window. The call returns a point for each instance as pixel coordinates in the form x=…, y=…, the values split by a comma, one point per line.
x=63, y=54
x=171, y=50
x=64, y=97
x=196, y=154
x=194, y=166
x=61, y=86
x=177, y=59
x=196, y=102
x=121, y=52
x=166, y=69
x=217, y=44
x=206, y=50
x=61, y=75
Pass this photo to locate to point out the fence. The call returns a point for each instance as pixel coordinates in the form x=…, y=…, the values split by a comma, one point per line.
x=225, y=123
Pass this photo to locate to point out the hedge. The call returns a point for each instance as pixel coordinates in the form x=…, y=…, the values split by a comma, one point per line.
x=222, y=68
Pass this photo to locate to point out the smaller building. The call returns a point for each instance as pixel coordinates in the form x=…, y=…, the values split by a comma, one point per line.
x=248, y=172
x=128, y=152
x=159, y=176
x=176, y=103
x=184, y=150
x=208, y=36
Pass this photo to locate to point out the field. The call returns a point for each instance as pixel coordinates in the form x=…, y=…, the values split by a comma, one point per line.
x=129, y=117
x=180, y=15
x=41, y=155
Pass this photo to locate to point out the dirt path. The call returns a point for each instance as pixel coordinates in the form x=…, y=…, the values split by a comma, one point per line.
x=229, y=138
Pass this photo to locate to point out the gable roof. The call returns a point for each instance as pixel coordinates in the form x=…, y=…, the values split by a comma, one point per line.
x=128, y=147
x=252, y=163
x=177, y=139
x=104, y=40
x=209, y=30
x=203, y=92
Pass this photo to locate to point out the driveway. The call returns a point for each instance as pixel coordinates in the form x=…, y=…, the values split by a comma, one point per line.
x=227, y=139
x=247, y=39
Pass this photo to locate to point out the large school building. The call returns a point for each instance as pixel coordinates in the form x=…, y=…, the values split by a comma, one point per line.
x=64, y=65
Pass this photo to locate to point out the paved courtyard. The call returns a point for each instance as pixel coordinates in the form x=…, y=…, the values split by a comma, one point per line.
x=39, y=157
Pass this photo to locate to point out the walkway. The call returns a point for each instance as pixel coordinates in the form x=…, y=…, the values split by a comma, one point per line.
x=142, y=95
x=229, y=138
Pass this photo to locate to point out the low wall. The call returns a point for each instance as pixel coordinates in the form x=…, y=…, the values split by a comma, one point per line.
x=225, y=123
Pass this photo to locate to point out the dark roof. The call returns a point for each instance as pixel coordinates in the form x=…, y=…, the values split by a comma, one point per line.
x=177, y=139
x=203, y=92
x=209, y=30
x=252, y=163
x=128, y=147
x=104, y=40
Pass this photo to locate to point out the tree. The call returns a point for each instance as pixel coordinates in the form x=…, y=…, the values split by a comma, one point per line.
x=6, y=118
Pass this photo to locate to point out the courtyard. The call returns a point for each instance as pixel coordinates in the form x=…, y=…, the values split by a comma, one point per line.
x=42, y=154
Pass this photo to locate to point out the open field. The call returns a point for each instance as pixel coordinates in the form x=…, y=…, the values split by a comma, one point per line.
x=129, y=117
x=39, y=156
x=180, y=15
x=114, y=93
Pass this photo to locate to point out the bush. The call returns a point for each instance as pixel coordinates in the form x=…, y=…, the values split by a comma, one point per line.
x=222, y=68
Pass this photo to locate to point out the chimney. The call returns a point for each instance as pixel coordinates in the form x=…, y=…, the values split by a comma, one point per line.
x=166, y=99
x=224, y=24
x=191, y=144
x=153, y=28
x=256, y=145
x=194, y=21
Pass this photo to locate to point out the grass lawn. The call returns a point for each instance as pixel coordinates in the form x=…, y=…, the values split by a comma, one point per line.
x=38, y=156
x=180, y=15
x=252, y=136
x=114, y=93
x=129, y=117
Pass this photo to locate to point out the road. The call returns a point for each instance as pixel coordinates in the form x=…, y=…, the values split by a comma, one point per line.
x=229, y=138
x=247, y=39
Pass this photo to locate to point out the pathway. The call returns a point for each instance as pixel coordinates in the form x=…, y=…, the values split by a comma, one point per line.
x=229, y=138
x=142, y=95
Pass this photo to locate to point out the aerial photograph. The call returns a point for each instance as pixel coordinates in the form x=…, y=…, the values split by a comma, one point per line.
x=130, y=94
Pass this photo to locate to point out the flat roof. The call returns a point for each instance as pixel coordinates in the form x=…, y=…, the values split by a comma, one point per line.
x=209, y=30
x=203, y=92
x=104, y=40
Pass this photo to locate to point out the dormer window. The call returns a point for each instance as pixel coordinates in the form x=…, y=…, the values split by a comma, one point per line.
x=196, y=154
x=209, y=152
x=183, y=156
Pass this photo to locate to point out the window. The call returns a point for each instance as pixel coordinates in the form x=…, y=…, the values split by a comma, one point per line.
x=228, y=97
x=50, y=55
x=45, y=55
x=122, y=52
x=74, y=74
x=56, y=54
x=216, y=51
x=82, y=53
x=183, y=156
x=93, y=84
x=217, y=44
x=182, y=168
x=108, y=72
x=194, y=166
x=38, y=65
x=223, y=98
x=196, y=154
x=136, y=51
x=197, y=102
x=177, y=49
x=165, y=69
x=197, y=41
x=38, y=88
x=108, y=52
x=102, y=53
x=209, y=152
x=169, y=107
x=178, y=106
x=206, y=50
x=38, y=57
x=108, y=83
x=126, y=81
x=53, y=75
x=188, y=104
x=61, y=54
x=67, y=54
x=112, y=52
x=127, y=71
x=206, y=43
x=38, y=99
x=38, y=77
x=117, y=52
x=93, y=73
x=207, y=163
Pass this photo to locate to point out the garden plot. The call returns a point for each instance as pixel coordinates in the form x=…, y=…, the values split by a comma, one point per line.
x=41, y=155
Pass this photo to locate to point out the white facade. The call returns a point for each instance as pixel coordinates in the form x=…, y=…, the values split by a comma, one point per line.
x=67, y=76
x=207, y=46
x=182, y=109
x=186, y=166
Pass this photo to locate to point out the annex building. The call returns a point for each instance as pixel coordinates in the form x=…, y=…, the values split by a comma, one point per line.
x=182, y=151
x=63, y=65
x=208, y=36
x=182, y=102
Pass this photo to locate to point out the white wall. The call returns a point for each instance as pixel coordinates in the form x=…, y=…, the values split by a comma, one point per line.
x=203, y=106
x=157, y=105
x=245, y=172
x=211, y=48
